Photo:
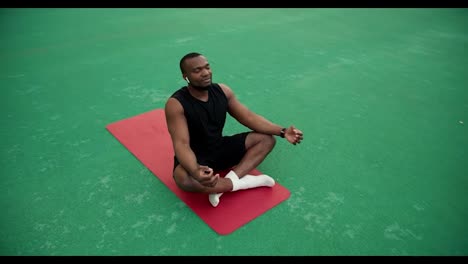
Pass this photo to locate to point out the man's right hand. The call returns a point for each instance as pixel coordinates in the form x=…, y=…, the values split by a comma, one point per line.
x=204, y=175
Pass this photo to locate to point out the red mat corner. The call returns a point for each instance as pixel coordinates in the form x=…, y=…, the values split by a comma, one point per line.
x=147, y=138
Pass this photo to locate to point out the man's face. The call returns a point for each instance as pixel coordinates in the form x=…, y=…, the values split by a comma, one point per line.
x=198, y=71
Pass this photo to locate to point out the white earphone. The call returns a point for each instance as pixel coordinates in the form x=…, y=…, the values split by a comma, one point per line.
x=187, y=80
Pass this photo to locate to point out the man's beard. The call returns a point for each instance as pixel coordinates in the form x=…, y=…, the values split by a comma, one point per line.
x=201, y=88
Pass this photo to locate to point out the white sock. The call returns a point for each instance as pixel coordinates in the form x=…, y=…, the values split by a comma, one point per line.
x=214, y=197
x=251, y=181
x=246, y=182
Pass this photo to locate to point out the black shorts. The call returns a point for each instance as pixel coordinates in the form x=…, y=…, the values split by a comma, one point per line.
x=229, y=154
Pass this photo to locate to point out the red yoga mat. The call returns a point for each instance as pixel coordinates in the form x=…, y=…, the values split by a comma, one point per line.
x=147, y=138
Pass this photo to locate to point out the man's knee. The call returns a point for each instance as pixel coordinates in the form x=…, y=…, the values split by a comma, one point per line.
x=269, y=141
x=264, y=141
x=183, y=180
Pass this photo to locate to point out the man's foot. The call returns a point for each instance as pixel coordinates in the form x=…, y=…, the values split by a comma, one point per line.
x=251, y=181
x=246, y=182
x=214, y=198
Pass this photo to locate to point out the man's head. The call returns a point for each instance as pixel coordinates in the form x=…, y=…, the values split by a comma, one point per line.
x=196, y=69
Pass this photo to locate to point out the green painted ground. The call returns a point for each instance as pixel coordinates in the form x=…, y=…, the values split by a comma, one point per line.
x=380, y=94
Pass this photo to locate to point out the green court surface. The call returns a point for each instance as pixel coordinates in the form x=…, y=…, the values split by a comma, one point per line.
x=380, y=94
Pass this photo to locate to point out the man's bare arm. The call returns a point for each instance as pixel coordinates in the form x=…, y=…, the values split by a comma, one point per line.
x=248, y=118
x=177, y=126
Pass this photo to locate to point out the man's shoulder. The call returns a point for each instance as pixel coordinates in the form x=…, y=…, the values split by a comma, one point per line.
x=178, y=92
x=177, y=95
x=173, y=104
x=221, y=85
x=225, y=89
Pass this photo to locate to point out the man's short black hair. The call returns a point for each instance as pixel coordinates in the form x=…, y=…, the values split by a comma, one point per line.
x=187, y=56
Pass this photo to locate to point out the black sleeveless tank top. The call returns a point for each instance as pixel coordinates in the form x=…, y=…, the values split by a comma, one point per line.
x=205, y=120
